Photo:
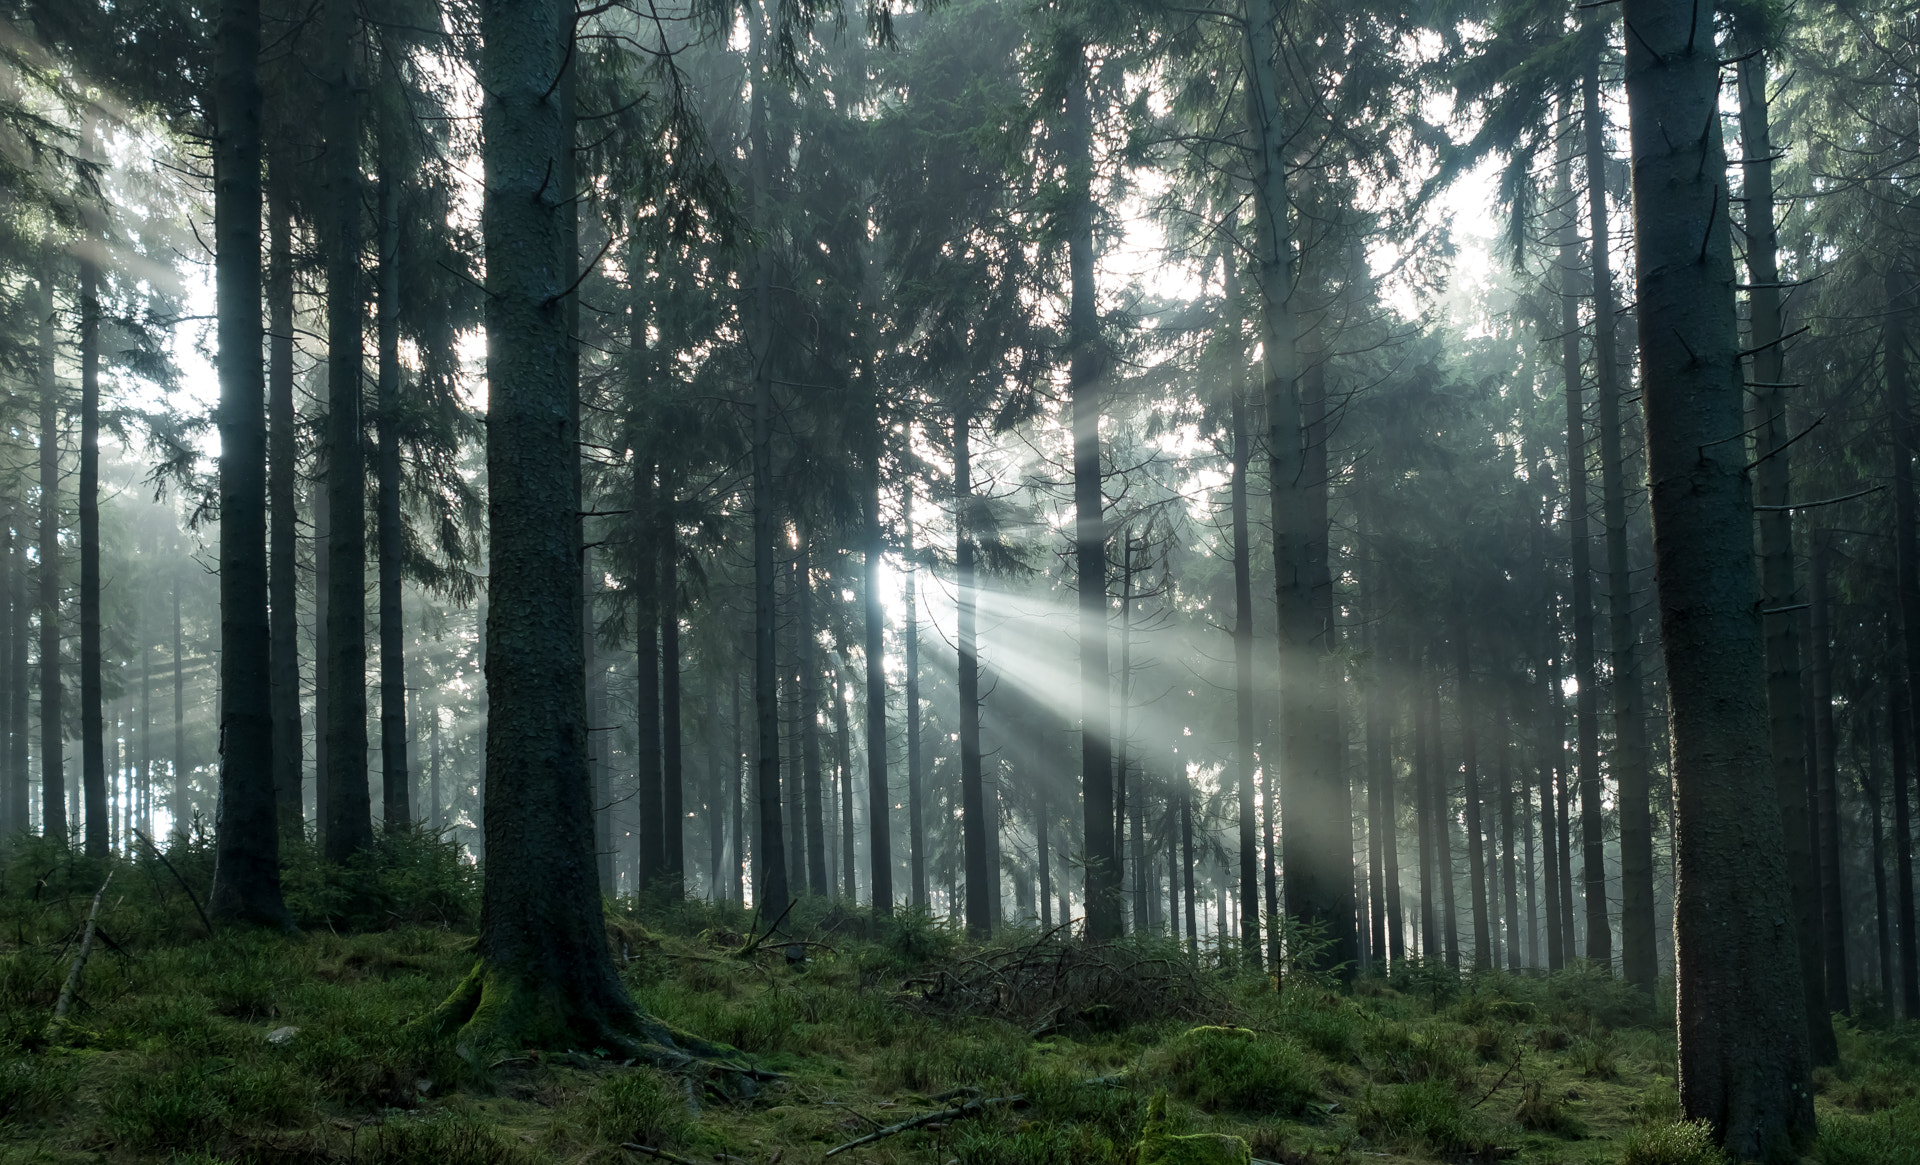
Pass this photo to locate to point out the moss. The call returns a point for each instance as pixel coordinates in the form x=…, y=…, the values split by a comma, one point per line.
x=1427, y=1116
x=1158, y=1146
x=1224, y=1068
x=1673, y=1143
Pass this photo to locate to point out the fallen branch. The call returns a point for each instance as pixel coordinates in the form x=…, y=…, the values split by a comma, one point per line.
x=661, y=1154
x=79, y=964
x=191, y=897
x=1497, y=1083
x=970, y=1108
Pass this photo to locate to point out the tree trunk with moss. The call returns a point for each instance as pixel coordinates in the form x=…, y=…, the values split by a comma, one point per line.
x=1742, y=1031
x=545, y=977
x=246, y=874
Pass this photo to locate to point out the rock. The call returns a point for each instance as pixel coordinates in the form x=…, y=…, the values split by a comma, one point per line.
x=281, y=1035
x=1159, y=1147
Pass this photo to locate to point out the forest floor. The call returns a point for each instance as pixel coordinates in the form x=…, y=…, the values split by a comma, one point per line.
x=1032, y=1049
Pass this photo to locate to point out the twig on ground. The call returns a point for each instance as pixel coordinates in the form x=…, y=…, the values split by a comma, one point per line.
x=1499, y=1082
x=191, y=897
x=970, y=1108
x=65, y=1002
x=662, y=1154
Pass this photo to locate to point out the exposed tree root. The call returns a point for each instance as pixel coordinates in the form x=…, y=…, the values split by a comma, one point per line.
x=494, y=1015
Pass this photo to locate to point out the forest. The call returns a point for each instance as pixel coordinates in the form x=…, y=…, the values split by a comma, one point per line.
x=981, y=582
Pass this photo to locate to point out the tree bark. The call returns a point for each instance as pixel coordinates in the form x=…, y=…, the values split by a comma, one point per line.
x=17, y=692
x=673, y=814
x=1240, y=456
x=1826, y=741
x=1586, y=713
x=807, y=664
x=1426, y=819
x=1086, y=368
x=982, y=886
x=1903, y=849
x=246, y=870
x=53, y=735
x=93, y=761
x=1629, y=760
x=1742, y=1032
x=349, y=808
x=1442, y=801
x=1786, y=723
x=181, y=802
x=545, y=977
x=283, y=516
x=1470, y=788
x=600, y=773
x=395, y=807
x=769, y=841
x=874, y=627
x=916, y=810
x=649, y=834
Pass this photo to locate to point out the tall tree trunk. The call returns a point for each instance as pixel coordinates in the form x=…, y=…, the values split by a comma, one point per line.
x=1629, y=760
x=283, y=567
x=843, y=761
x=769, y=840
x=1086, y=369
x=17, y=688
x=673, y=798
x=1240, y=456
x=649, y=833
x=349, y=808
x=322, y=584
x=808, y=690
x=1874, y=786
x=1786, y=723
x=1509, y=872
x=246, y=863
x=874, y=627
x=1122, y=730
x=600, y=773
x=916, y=811
x=1587, y=685
x=1550, y=747
x=1743, y=1055
x=1470, y=788
x=1826, y=740
x=11, y=776
x=1043, y=855
x=93, y=762
x=395, y=806
x=1426, y=819
x=1897, y=723
x=1318, y=874
x=982, y=886
x=53, y=735
x=182, y=804
x=1442, y=795
x=434, y=802
x=146, y=717
x=736, y=797
x=1379, y=793
x=1186, y=867
x=544, y=977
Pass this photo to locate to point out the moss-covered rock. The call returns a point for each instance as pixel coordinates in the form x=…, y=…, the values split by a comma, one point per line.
x=1161, y=1147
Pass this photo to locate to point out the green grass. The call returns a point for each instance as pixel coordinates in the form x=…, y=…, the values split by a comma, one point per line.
x=167, y=1057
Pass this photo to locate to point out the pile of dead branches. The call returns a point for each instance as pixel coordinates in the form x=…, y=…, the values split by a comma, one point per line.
x=1057, y=981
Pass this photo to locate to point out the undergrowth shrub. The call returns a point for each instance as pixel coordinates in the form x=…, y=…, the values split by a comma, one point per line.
x=1545, y=1111
x=1673, y=1143
x=1886, y=1138
x=639, y=1105
x=416, y=876
x=1427, y=1116
x=1222, y=1068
